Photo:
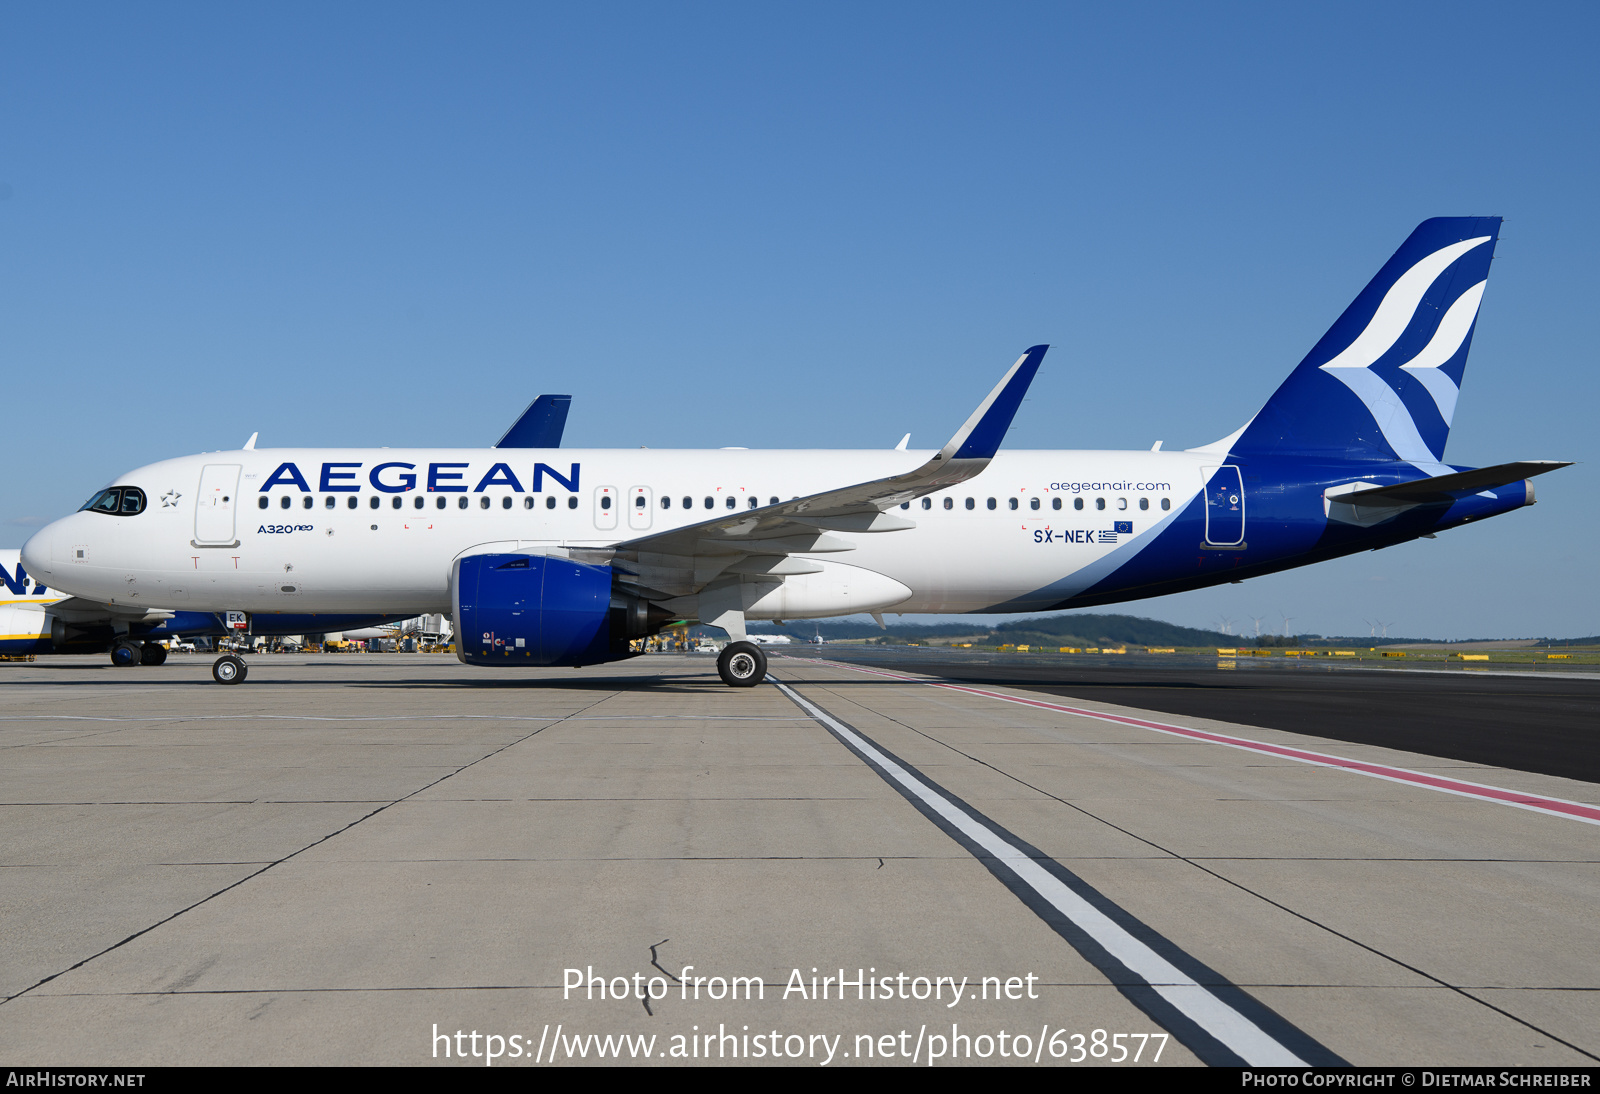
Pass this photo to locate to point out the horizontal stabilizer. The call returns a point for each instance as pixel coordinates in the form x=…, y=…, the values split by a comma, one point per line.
x=1444, y=487
x=540, y=426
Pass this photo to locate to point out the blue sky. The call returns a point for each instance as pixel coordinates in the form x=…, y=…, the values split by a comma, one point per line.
x=795, y=226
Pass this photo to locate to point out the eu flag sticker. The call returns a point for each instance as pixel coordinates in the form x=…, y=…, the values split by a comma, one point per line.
x=1124, y=528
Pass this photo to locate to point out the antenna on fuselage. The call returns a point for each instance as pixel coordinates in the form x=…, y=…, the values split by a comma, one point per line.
x=250, y=445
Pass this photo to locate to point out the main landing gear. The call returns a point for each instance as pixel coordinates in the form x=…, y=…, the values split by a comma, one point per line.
x=229, y=669
x=128, y=652
x=742, y=665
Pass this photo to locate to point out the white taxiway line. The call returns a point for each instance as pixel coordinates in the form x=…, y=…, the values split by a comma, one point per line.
x=1241, y=1035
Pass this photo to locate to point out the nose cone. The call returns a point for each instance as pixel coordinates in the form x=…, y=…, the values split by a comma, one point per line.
x=36, y=553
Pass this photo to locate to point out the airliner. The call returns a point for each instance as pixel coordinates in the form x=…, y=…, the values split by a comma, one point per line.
x=564, y=557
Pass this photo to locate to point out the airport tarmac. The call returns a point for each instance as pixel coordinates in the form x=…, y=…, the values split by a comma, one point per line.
x=1541, y=720
x=347, y=860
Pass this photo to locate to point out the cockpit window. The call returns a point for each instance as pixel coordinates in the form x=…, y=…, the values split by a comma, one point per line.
x=123, y=500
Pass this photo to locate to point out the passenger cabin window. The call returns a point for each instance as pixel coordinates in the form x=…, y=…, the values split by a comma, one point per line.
x=328, y=502
x=1012, y=502
x=505, y=502
x=732, y=502
x=927, y=503
x=991, y=503
x=572, y=502
x=905, y=505
x=638, y=502
x=1099, y=503
x=307, y=502
x=1055, y=503
x=1122, y=503
x=419, y=502
x=395, y=504
x=666, y=502
x=1144, y=503
x=949, y=503
x=710, y=503
x=1166, y=503
x=438, y=503
x=527, y=502
x=755, y=503
x=1033, y=503
x=605, y=502
x=1077, y=503
x=261, y=502
x=461, y=502
x=374, y=503
x=688, y=503
x=483, y=501
x=350, y=502
x=772, y=501
x=549, y=502
x=283, y=502
x=971, y=504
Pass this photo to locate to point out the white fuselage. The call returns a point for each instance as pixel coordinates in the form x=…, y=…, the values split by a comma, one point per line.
x=361, y=530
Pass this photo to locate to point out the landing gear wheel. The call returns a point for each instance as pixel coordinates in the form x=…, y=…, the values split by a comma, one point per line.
x=742, y=665
x=124, y=654
x=229, y=669
x=153, y=654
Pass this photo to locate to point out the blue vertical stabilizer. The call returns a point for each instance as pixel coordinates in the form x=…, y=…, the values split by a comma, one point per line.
x=1382, y=383
x=540, y=426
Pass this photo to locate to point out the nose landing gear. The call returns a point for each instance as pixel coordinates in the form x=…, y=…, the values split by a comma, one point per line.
x=229, y=669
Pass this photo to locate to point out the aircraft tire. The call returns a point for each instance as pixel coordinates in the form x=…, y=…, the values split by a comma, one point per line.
x=153, y=653
x=229, y=669
x=125, y=654
x=742, y=665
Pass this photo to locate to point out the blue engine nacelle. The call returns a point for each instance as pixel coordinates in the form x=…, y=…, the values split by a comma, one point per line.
x=536, y=610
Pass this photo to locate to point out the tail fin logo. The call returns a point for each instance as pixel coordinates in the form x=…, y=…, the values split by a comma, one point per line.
x=1397, y=312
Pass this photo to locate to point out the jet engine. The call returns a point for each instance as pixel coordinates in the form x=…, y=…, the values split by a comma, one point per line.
x=513, y=609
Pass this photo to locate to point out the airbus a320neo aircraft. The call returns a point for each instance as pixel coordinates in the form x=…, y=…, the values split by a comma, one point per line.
x=561, y=557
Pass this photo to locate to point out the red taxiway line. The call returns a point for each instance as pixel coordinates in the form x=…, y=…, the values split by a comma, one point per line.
x=1557, y=807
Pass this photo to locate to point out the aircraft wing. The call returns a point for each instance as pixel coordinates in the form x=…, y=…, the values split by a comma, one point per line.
x=757, y=542
x=1444, y=487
